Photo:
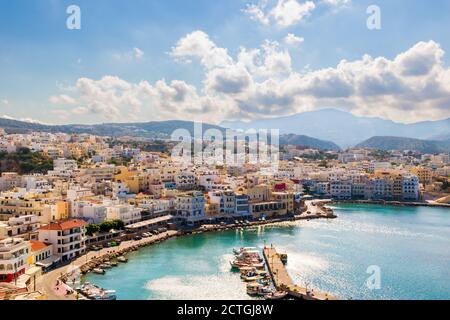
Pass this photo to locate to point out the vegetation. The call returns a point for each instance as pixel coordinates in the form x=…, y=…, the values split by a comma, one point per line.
x=92, y=229
x=108, y=225
x=119, y=161
x=25, y=162
x=105, y=226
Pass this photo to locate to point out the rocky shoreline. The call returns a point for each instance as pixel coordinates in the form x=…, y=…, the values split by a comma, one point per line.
x=136, y=245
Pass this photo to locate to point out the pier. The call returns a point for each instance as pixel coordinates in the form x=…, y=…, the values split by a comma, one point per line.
x=283, y=282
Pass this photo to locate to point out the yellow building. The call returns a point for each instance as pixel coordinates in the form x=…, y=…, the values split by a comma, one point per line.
x=287, y=198
x=425, y=175
x=257, y=193
x=130, y=178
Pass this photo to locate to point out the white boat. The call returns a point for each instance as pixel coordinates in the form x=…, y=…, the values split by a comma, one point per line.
x=99, y=271
x=244, y=249
x=277, y=295
x=122, y=259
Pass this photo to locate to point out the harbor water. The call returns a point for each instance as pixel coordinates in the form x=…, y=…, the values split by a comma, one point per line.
x=408, y=245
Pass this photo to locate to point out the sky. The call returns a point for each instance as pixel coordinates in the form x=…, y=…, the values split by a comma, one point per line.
x=149, y=60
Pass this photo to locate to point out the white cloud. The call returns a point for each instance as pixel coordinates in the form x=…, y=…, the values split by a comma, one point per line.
x=293, y=40
x=138, y=53
x=135, y=54
x=62, y=100
x=29, y=120
x=285, y=13
x=289, y=12
x=260, y=82
x=5, y=102
x=337, y=3
x=198, y=45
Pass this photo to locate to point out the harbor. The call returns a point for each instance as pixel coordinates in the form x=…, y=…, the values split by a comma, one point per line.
x=327, y=255
x=283, y=282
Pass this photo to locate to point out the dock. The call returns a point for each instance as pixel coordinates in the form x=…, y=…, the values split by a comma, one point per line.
x=283, y=282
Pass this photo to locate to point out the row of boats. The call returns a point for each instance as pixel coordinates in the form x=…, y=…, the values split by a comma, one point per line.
x=93, y=292
x=108, y=265
x=253, y=272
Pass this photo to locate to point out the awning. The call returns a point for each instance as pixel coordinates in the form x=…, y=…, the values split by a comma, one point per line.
x=48, y=262
x=148, y=223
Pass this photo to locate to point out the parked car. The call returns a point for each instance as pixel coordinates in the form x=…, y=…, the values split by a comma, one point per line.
x=137, y=238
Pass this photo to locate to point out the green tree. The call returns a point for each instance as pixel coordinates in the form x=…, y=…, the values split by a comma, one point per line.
x=91, y=229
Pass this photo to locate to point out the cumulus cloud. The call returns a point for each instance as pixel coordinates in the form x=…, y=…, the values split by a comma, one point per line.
x=293, y=40
x=62, y=100
x=135, y=54
x=260, y=82
x=284, y=13
x=337, y=3
x=198, y=45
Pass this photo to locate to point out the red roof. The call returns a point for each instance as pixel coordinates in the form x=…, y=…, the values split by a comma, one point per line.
x=65, y=225
x=37, y=245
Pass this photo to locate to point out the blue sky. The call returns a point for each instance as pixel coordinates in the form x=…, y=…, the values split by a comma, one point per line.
x=41, y=60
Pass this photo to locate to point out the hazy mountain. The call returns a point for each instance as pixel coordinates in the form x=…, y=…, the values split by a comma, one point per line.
x=344, y=128
x=399, y=143
x=305, y=141
x=153, y=129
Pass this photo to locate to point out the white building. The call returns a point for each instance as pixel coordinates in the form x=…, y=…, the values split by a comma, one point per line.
x=190, y=206
x=14, y=254
x=410, y=188
x=89, y=211
x=341, y=190
x=127, y=213
x=68, y=238
x=19, y=226
x=226, y=201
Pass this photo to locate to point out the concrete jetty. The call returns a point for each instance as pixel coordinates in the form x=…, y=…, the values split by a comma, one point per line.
x=283, y=282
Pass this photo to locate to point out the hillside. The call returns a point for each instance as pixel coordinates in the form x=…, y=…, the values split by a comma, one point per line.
x=305, y=141
x=345, y=129
x=25, y=162
x=400, y=143
x=153, y=129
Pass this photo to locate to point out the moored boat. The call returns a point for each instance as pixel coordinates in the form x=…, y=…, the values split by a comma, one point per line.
x=278, y=295
x=122, y=259
x=99, y=271
x=243, y=249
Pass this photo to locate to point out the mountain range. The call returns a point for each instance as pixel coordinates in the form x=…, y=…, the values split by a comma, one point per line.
x=400, y=143
x=332, y=130
x=345, y=129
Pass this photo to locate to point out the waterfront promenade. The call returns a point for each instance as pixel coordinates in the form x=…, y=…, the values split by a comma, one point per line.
x=53, y=288
x=283, y=281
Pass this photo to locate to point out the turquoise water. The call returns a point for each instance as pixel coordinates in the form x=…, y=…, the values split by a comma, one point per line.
x=410, y=245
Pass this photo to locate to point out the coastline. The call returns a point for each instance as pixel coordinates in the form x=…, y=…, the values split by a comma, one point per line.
x=389, y=203
x=50, y=282
x=318, y=209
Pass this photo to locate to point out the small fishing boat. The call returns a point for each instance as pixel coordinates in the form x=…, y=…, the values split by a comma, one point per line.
x=122, y=259
x=237, y=264
x=277, y=295
x=243, y=249
x=99, y=271
x=256, y=289
x=114, y=264
x=106, y=265
x=253, y=278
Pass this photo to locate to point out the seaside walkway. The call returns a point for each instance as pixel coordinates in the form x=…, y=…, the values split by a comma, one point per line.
x=283, y=281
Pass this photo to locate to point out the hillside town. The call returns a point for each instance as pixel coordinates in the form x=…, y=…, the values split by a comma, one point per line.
x=99, y=191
